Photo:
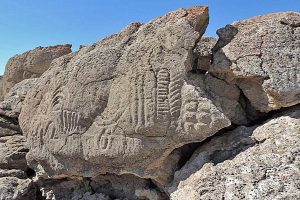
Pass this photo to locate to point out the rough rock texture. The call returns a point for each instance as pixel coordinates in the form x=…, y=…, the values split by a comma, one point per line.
x=1, y=86
x=14, y=172
x=268, y=170
x=15, y=182
x=148, y=105
x=203, y=50
x=101, y=187
x=159, y=112
x=30, y=64
x=261, y=55
x=13, y=101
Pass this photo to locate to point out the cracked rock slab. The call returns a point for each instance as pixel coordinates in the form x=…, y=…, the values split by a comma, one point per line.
x=232, y=167
x=13, y=151
x=261, y=55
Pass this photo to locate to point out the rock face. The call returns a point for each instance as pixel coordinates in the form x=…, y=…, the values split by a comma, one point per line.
x=261, y=55
x=157, y=112
x=15, y=183
x=129, y=101
x=268, y=167
x=31, y=64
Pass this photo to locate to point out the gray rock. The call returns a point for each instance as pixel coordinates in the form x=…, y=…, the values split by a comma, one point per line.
x=13, y=173
x=261, y=55
x=13, y=151
x=12, y=188
x=270, y=169
x=203, y=50
x=103, y=186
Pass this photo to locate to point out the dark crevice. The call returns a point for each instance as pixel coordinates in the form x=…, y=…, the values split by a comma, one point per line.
x=91, y=187
x=270, y=115
x=30, y=173
x=252, y=114
x=188, y=150
x=39, y=195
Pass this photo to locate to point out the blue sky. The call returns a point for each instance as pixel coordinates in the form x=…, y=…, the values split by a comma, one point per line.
x=31, y=23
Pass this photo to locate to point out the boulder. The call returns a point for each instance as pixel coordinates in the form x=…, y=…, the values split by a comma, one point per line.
x=261, y=56
x=123, y=104
x=31, y=64
x=259, y=162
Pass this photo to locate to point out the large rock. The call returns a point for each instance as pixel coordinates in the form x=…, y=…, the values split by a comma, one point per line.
x=123, y=104
x=260, y=162
x=14, y=181
x=261, y=55
x=30, y=64
x=107, y=187
x=13, y=101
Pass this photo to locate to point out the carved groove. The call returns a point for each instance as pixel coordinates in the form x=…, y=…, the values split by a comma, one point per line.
x=163, y=81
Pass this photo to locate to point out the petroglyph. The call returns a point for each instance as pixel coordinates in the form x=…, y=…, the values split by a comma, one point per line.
x=70, y=122
x=60, y=98
x=176, y=83
x=163, y=108
x=138, y=112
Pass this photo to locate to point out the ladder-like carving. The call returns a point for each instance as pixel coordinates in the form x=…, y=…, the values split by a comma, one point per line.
x=175, y=86
x=163, y=109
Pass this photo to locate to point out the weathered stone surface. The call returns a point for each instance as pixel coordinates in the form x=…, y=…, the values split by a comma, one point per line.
x=261, y=55
x=12, y=188
x=1, y=86
x=116, y=119
x=268, y=170
x=123, y=104
x=203, y=50
x=101, y=187
x=13, y=173
x=31, y=64
x=14, y=182
x=13, y=101
x=8, y=127
x=13, y=151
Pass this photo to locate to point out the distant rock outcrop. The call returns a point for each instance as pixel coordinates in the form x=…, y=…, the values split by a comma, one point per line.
x=30, y=64
x=157, y=112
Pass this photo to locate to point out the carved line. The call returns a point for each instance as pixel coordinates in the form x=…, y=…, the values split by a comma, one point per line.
x=175, y=94
x=163, y=81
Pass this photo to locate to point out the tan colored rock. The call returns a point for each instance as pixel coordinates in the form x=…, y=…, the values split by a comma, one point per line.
x=232, y=167
x=123, y=104
x=1, y=86
x=106, y=187
x=31, y=64
x=261, y=55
